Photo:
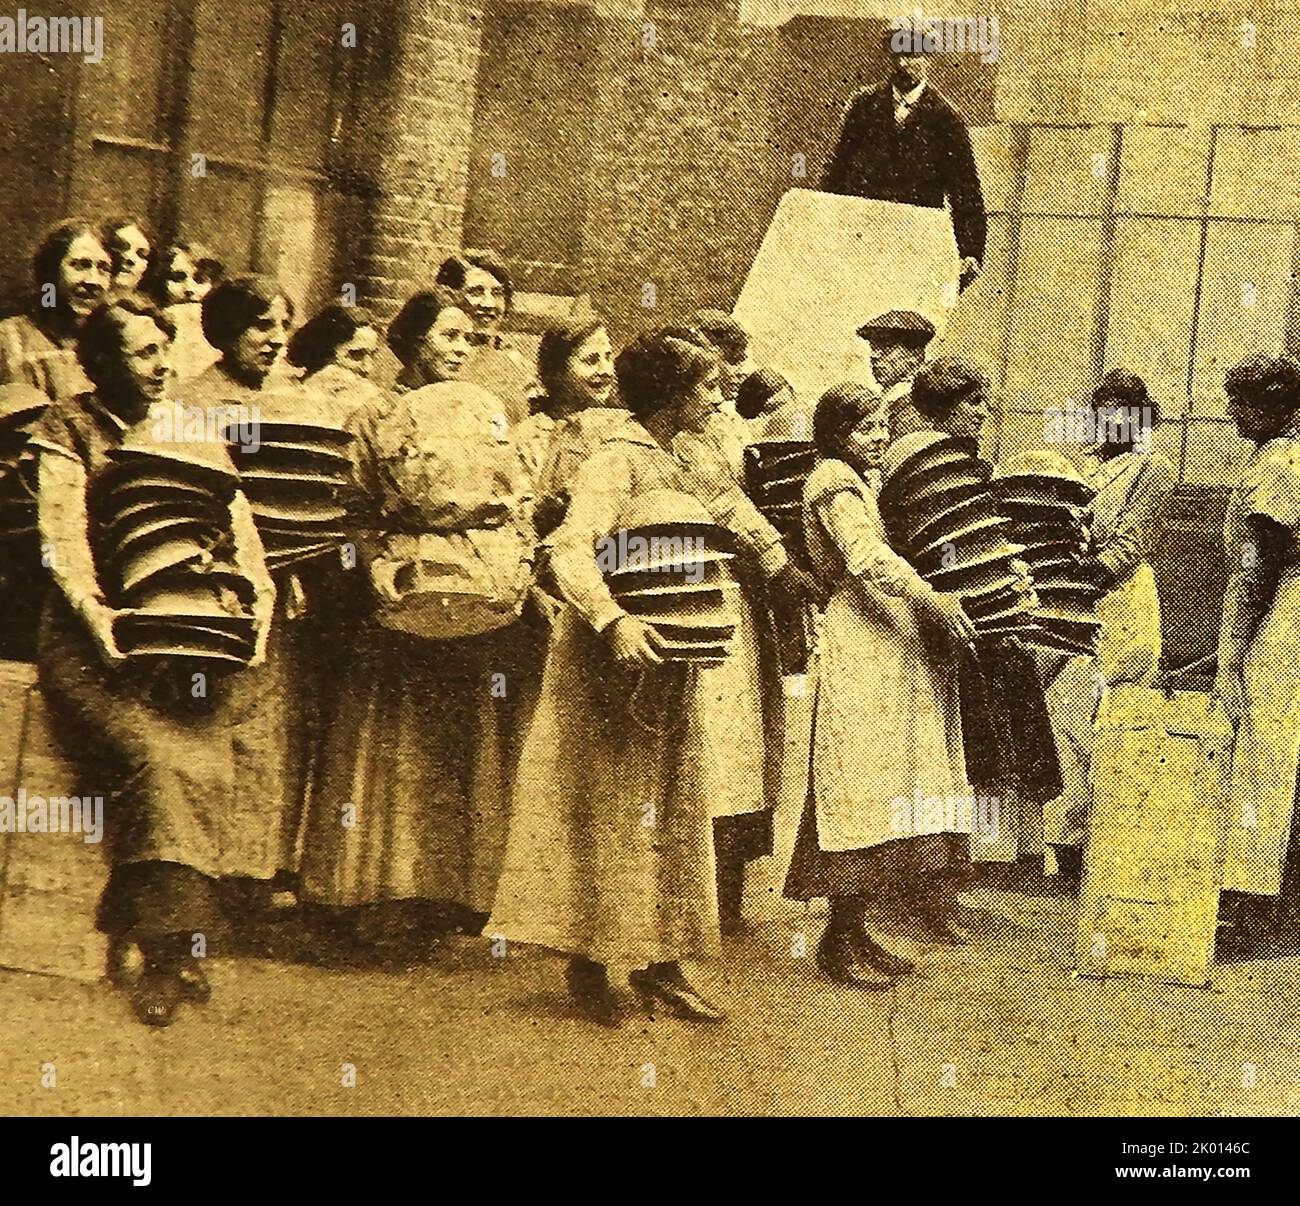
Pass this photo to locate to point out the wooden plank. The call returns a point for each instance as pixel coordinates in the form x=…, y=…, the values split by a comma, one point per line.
x=1149, y=905
x=50, y=883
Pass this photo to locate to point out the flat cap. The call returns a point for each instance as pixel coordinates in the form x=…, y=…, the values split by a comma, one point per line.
x=899, y=324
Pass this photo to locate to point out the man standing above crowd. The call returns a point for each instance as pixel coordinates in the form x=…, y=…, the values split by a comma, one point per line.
x=902, y=141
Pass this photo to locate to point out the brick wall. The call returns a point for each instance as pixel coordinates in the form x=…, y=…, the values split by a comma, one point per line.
x=421, y=118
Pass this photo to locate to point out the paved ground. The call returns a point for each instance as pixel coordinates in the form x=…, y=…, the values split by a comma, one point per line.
x=1000, y=1027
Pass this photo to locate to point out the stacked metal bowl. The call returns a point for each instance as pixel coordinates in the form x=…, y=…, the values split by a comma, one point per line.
x=1046, y=504
x=941, y=513
x=162, y=518
x=775, y=473
x=295, y=476
x=21, y=407
x=668, y=564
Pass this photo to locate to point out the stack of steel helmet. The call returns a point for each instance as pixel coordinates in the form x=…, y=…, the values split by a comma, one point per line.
x=1047, y=504
x=941, y=514
x=668, y=564
x=165, y=553
x=775, y=472
x=21, y=406
x=295, y=474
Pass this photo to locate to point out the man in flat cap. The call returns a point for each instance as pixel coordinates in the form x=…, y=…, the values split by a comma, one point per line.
x=903, y=141
x=898, y=340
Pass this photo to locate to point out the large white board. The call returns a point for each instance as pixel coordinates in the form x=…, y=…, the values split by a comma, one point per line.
x=830, y=263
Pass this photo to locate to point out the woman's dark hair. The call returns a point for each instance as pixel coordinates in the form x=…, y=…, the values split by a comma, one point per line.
x=99, y=343
x=54, y=246
x=235, y=304
x=557, y=346
x=942, y=384
x=839, y=410
x=724, y=332
x=312, y=345
x=455, y=268
x=659, y=366
x=757, y=390
x=1122, y=389
x=206, y=267
x=407, y=330
x=1267, y=383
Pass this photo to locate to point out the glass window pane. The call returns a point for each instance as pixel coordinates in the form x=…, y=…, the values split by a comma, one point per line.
x=1054, y=316
x=1153, y=293
x=1256, y=172
x=227, y=95
x=1163, y=170
x=1068, y=170
x=1246, y=293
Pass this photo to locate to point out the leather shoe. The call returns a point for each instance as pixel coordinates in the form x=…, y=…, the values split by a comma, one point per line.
x=837, y=960
x=156, y=997
x=874, y=952
x=590, y=990
x=194, y=984
x=669, y=987
x=126, y=963
x=940, y=925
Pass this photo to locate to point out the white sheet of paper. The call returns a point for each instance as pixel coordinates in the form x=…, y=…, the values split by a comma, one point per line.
x=830, y=263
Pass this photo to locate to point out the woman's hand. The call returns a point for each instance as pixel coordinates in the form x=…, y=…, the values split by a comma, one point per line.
x=383, y=576
x=947, y=612
x=633, y=642
x=1230, y=693
x=99, y=619
x=545, y=604
x=796, y=585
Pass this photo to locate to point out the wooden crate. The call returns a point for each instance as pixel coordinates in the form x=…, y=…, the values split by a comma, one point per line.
x=50, y=884
x=1150, y=896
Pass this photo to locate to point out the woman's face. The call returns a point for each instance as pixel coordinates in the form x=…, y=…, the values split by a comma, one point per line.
x=733, y=372
x=130, y=251
x=182, y=280
x=864, y=446
x=84, y=275
x=967, y=418
x=589, y=376
x=486, y=297
x=357, y=355
x=145, y=366
x=1254, y=422
x=782, y=397
x=446, y=346
x=701, y=402
x=261, y=343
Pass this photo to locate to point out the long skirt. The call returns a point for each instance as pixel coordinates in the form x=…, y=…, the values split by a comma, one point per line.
x=1129, y=652
x=183, y=768
x=411, y=799
x=1266, y=752
x=610, y=853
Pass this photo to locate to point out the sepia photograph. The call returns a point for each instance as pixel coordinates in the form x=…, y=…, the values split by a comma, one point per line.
x=650, y=558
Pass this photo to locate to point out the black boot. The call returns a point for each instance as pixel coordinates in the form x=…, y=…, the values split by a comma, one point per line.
x=589, y=987
x=837, y=955
x=665, y=984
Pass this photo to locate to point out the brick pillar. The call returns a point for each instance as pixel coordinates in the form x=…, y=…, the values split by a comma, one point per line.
x=422, y=167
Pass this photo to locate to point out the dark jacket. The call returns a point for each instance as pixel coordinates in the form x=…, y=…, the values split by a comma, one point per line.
x=926, y=160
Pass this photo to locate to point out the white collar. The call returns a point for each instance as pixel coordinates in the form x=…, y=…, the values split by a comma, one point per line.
x=908, y=98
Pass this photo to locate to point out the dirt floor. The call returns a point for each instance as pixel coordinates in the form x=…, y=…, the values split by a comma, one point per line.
x=998, y=1027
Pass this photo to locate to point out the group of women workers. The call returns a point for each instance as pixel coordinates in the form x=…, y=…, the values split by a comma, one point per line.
x=456, y=725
